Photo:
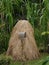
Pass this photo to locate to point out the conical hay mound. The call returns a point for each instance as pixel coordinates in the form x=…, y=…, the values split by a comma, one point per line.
x=29, y=50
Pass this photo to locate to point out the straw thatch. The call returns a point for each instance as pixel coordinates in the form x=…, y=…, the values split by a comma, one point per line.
x=29, y=50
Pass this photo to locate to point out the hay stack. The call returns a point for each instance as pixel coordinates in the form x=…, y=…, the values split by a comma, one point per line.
x=30, y=50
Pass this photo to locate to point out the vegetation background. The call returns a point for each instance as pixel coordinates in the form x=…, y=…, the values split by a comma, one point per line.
x=35, y=11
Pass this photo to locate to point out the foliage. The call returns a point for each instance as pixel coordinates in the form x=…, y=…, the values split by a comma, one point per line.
x=36, y=11
x=5, y=60
x=4, y=39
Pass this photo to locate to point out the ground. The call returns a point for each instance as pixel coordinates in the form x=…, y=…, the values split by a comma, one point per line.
x=8, y=60
x=43, y=60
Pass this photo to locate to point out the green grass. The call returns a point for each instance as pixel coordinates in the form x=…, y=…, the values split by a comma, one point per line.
x=39, y=61
x=42, y=60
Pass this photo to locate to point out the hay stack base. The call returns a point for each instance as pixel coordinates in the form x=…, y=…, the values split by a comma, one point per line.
x=29, y=50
